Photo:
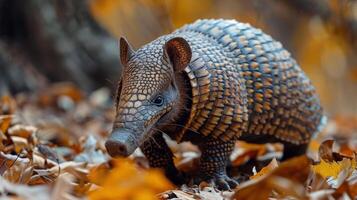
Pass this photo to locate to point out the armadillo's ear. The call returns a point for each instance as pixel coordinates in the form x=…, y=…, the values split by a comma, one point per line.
x=178, y=52
x=125, y=50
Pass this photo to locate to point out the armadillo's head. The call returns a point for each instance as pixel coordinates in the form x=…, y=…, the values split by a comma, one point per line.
x=148, y=94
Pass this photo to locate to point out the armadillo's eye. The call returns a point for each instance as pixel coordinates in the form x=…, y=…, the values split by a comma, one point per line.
x=158, y=101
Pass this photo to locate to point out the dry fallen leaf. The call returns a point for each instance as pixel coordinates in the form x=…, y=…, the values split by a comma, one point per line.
x=5, y=121
x=333, y=169
x=126, y=180
x=325, y=151
x=62, y=188
x=7, y=105
x=24, y=131
x=245, y=151
x=270, y=167
x=286, y=180
x=23, y=192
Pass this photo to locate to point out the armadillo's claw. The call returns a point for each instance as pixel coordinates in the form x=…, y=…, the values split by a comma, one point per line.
x=219, y=181
x=231, y=182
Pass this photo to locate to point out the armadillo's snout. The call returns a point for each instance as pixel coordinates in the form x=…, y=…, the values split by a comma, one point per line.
x=121, y=143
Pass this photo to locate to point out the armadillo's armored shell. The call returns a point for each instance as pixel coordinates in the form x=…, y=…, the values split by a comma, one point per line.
x=244, y=82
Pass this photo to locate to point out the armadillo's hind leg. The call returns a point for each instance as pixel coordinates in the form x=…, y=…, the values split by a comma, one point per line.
x=214, y=159
x=292, y=150
x=160, y=156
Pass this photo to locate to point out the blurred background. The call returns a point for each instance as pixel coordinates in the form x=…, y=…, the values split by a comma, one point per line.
x=48, y=41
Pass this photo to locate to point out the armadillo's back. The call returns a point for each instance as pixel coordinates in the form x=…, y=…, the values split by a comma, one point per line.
x=244, y=82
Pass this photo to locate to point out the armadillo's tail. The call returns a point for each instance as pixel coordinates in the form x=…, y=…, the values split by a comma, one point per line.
x=321, y=126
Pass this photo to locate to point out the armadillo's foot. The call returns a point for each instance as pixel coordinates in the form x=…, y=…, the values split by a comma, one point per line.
x=220, y=181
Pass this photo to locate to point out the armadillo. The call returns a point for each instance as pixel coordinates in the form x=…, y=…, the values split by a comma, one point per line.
x=211, y=82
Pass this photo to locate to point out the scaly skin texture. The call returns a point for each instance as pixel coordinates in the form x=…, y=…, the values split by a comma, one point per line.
x=239, y=84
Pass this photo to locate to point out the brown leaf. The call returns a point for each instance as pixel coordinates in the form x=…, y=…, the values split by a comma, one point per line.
x=346, y=151
x=5, y=121
x=340, y=191
x=63, y=188
x=17, y=172
x=189, y=162
x=325, y=150
x=8, y=161
x=287, y=180
x=317, y=182
x=21, y=130
x=23, y=192
x=270, y=167
x=41, y=162
x=178, y=194
x=352, y=189
x=296, y=169
x=26, y=175
x=247, y=190
x=19, y=143
x=82, y=188
x=78, y=170
x=7, y=105
x=246, y=151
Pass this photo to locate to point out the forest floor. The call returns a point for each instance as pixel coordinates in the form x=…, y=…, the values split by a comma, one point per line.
x=52, y=147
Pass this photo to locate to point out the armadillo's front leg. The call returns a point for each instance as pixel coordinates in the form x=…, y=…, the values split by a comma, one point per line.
x=160, y=156
x=214, y=159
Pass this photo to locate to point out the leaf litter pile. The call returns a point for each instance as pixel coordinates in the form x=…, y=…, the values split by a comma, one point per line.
x=52, y=147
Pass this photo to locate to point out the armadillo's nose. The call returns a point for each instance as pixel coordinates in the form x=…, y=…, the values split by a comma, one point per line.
x=121, y=143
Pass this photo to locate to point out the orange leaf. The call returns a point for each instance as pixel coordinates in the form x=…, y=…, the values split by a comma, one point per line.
x=246, y=151
x=270, y=167
x=286, y=180
x=128, y=182
x=5, y=121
